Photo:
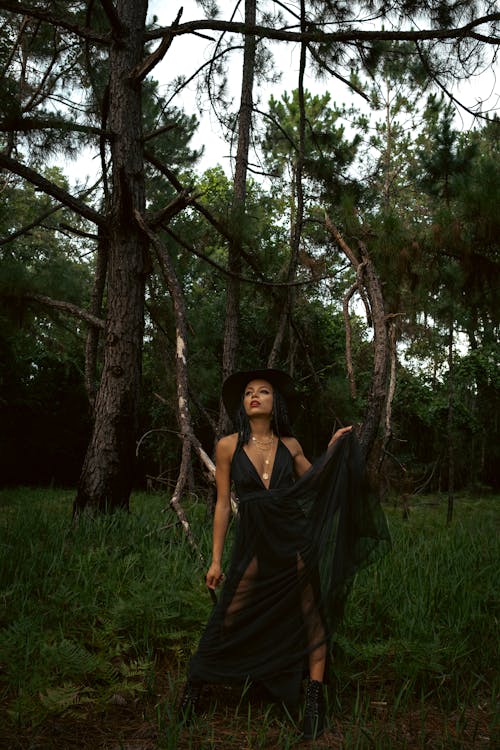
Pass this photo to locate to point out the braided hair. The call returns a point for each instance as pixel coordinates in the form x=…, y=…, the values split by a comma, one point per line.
x=280, y=421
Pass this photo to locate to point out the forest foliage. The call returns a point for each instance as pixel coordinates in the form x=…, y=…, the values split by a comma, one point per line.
x=389, y=164
x=352, y=240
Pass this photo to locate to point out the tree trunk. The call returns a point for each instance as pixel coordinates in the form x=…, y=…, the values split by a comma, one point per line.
x=238, y=208
x=381, y=353
x=92, y=343
x=390, y=393
x=297, y=206
x=108, y=470
x=370, y=289
x=451, y=417
x=181, y=374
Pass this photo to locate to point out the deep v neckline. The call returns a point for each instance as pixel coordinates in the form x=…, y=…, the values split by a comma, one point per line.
x=271, y=475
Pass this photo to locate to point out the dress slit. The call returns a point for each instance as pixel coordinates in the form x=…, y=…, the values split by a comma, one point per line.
x=296, y=547
x=313, y=621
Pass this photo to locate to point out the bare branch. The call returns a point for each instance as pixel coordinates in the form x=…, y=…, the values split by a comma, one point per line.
x=279, y=127
x=241, y=277
x=192, y=77
x=69, y=308
x=367, y=278
x=45, y=15
x=340, y=241
x=336, y=75
x=203, y=455
x=225, y=232
x=172, y=178
x=447, y=92
x=15, y=46
x=140, y=72
x=347, y=35
x=39, y=94
x=28, y=227
x=159, y=131
x=77, y=232
x=484, y=38
x=175, y=206
x=183, y=414
x=203, y=210
x=26, y=124
x=50, y=188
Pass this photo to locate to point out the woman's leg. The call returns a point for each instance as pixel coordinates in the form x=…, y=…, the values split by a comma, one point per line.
x=242, y=595
x=314, y=713
x=316, y=636
x=317, y=663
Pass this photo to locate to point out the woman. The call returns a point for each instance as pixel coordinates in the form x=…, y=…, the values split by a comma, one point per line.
x=302, y=532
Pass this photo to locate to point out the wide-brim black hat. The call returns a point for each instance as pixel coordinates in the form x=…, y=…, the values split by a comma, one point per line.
x=234, y=385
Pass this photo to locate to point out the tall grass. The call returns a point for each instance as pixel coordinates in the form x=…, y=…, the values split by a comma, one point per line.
x=427, y=616
x=88, y=611
x=85, y=609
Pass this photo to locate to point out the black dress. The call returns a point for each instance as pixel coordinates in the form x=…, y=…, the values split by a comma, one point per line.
x=297, y=547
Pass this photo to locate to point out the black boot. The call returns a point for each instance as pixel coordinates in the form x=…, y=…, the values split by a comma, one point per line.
x=314, y=713
x=189, y=701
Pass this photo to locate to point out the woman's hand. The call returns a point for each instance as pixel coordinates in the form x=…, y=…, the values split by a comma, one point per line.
x=336, y=435
x=214, y=576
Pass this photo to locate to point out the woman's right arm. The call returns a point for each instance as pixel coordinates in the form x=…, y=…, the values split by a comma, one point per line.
x=223, y=455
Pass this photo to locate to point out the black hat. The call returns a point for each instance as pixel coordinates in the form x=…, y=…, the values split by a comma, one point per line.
x=234, y=385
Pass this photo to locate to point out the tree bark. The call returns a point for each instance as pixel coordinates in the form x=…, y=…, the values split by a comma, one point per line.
x=231, y=334
x=92, y=342
x=348, y=339
x=108, y=470
x=378, y=386
x=391, y=390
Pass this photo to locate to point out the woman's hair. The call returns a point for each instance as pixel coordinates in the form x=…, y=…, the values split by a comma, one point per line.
x=280, y=422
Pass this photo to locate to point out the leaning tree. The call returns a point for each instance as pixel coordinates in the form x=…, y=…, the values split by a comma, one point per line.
x=445, y=42
x=74, y=75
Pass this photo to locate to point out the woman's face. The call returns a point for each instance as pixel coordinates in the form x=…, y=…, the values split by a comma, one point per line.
x=258, y=398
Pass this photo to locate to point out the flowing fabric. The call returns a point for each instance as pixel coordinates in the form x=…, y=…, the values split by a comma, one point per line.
x=298, y=545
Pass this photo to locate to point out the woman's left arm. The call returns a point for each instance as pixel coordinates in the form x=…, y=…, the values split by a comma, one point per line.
x=300, y=462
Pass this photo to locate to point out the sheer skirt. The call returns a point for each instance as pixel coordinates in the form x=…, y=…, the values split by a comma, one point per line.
x=297, y=548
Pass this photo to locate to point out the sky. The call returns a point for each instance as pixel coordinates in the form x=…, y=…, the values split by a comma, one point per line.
x=187, y=54
x=183, y=58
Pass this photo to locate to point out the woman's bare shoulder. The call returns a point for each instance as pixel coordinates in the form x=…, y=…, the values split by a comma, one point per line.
x=227, y=445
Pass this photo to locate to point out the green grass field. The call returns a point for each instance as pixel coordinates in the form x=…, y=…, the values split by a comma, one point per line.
x=98, y=621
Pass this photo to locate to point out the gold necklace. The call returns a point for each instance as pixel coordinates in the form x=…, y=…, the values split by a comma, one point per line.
x=266, y=448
